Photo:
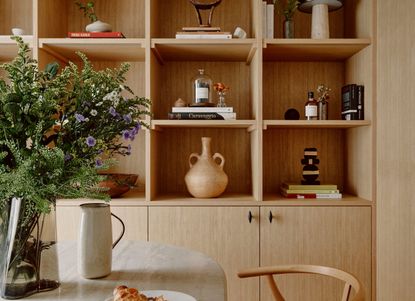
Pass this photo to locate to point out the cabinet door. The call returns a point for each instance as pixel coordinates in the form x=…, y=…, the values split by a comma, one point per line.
x=223, y=233
x=339, y=237
x=68, y=220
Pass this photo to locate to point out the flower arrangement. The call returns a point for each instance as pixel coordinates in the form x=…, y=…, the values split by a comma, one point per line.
x=323, y=92
x=88, y=9
x=221, y=89
x=57, y=131
x=288, y=10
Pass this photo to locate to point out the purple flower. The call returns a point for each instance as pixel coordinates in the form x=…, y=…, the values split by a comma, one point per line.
x=90, y=141
x=98, y=162
x=79, y=117
x=67, y=157
x=126, y=134
x=129, y=149
x=112, y=111
x=137, y=126
x=127, y=118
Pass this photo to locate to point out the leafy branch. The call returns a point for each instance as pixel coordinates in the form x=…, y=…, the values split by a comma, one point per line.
x=288, y=10
x=88, y=10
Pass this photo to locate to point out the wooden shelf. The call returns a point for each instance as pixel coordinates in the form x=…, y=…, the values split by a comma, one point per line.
x=235, y=124
x=8, y=47
x=325, y=124
x=239, y=50
x=312, y=50
x=131, y=198
x=186, y=199
x=347, y=200
x=95, y=49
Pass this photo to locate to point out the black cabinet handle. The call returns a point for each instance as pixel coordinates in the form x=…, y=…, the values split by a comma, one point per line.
x=270, y=216
x=250, y=216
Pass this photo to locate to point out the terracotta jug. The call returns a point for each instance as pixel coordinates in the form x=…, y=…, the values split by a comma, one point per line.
x=206, y=178
x=95, y=240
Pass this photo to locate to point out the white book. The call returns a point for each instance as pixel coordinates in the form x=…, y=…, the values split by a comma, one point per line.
x=202, y=116
x=264, y=19
x=202, y=109
x=270, y=21
x=204, y=36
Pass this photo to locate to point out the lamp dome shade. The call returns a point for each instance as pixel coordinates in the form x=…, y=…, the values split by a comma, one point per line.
x=306, y=6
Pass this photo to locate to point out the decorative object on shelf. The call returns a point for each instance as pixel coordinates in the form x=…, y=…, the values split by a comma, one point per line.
x=18, y=31
x=320, y=15
x=50, y=147
x=118, y=183
x=89, y=11
x=288, y=12
x=292, y=114
x=180, y=103
x=206, y=178
x=202, y=90
x=95, y=240
x=323, y=105
x=353, y=99
x=313, y=191
x=221, y=89
x=311, y=108
x=310, y=169
x=239, y=33
x=96, y=35
x=205, y=5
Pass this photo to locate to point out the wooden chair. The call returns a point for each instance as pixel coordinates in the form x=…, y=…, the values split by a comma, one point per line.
x=350, y=280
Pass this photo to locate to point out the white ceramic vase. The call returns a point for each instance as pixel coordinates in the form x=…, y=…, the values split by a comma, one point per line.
x=98, y=26
x=95, y=240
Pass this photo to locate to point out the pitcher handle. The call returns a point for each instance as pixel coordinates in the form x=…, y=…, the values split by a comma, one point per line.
x=193, y=155
x=222, y=159
x=122, y=232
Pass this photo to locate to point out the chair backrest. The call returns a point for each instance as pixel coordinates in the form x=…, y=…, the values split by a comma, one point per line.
x=350, y=280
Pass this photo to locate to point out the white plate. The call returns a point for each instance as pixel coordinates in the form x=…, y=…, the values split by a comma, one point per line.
x=168, y=295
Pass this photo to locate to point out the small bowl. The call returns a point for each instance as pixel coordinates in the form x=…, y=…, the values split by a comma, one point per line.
x=17, y=31
x=118, y=184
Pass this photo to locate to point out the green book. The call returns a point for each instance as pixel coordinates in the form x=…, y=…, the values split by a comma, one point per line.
x=291, y=186
x=288, y=191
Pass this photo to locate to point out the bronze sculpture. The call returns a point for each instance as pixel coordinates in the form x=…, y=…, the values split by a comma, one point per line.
x=199, y=5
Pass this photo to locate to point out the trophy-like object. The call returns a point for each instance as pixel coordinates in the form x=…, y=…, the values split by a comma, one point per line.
x=204, y=29
x=205, y=6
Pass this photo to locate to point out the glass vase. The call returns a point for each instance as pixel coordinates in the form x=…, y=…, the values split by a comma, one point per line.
x=221, y=101
x=288, y=29
x=28, y=241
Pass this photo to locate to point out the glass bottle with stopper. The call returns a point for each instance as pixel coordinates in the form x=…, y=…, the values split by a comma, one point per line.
x=202, y=90
x=311, y=111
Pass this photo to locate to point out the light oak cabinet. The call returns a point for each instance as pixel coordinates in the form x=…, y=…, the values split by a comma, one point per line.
x=224, y=233
x=339, y=237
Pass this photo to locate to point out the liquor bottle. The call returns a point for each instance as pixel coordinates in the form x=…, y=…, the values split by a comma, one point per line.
x=311, y=111
x=202, y=90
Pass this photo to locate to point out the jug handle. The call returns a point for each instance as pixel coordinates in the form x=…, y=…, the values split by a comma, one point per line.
x=122, y=232
x=222, y=159
x=193, y=155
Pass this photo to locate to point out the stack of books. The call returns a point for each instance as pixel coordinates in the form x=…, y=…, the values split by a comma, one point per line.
x=203, y=33
x=202, y=113
x=353, y=102
x=300, y=191
x=102, y=35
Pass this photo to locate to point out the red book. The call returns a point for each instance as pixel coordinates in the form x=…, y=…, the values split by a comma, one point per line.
x=109, y=34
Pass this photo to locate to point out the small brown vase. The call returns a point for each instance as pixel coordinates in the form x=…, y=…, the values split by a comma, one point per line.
x=206, y=178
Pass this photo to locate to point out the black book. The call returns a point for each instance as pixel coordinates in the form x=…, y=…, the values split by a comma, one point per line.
x=360, y=102
x=349, y=102
x=202, y=116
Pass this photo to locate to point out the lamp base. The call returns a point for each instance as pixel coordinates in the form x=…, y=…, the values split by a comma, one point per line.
x=320, y=22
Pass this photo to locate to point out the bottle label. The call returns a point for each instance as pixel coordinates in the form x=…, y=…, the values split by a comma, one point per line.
x=311, y=111
x=202, y=94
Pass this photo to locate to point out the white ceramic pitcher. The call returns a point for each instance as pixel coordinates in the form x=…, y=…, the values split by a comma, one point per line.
x=95, y=240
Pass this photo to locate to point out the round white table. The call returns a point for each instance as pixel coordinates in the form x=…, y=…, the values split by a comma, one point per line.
x=143, y=265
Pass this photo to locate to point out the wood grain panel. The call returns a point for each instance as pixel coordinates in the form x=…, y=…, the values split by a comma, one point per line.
x=135, y=220
x=113, y=12
x=16, y=13
x=175, y=80
x=395, y=149
x=337, y=237
x=285, y=85
x=173, y=15
x=222, y=233
x=358, y=18
x=176, y=145
x=284, y=149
